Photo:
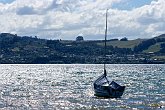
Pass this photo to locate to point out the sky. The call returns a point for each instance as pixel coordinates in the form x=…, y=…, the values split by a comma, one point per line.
x=66, y=19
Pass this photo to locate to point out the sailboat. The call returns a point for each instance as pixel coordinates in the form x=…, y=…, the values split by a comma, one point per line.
x=104, y=86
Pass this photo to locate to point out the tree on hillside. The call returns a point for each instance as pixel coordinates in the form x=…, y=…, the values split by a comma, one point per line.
x=162, y=50
x=144, y=45
x=124, y=39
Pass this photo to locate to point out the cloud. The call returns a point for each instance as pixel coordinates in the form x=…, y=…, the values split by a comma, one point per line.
x=26, y=11
x=65, y=19
x=152, y=17
x=152, y=13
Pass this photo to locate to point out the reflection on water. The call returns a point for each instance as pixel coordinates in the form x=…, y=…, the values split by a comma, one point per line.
x=48, y=87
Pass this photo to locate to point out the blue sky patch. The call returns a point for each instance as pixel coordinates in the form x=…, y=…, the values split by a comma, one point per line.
x=6, y=1
x=131, y=4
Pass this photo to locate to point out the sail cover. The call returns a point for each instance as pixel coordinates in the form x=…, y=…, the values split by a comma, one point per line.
x=103, y=81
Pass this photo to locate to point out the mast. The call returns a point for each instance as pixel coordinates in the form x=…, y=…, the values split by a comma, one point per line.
x=105, y=43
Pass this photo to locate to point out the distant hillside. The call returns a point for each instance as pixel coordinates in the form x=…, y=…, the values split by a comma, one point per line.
x=151, y=45
x=160, y=36
x=123, y=44
x=153, y=48
x=17, y=49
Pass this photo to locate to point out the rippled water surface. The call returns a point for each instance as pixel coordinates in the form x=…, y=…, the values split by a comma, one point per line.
x=47, y=87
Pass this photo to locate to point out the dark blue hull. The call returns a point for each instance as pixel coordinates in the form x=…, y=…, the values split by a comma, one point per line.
x=103, y=87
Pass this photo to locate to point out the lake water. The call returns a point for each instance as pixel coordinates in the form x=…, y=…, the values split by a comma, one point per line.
x=69, y=87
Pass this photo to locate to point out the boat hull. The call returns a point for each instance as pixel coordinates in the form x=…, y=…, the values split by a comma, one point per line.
x=108, y=92
x=104, y=87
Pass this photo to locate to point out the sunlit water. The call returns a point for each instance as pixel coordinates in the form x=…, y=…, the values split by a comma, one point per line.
x=48, y=87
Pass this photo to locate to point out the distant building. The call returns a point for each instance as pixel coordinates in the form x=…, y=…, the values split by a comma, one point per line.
x=79, y=38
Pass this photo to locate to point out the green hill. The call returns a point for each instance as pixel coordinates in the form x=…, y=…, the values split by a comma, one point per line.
x=154, y=48
x=123, y=44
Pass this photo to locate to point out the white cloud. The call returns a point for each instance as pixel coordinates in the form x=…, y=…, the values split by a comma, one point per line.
x=68, y=18
x=151, y=18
